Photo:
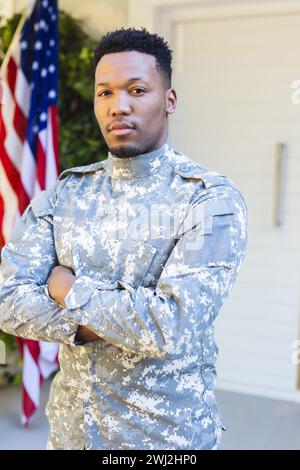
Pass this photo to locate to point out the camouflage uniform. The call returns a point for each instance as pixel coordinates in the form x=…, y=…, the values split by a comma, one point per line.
x=149, y=382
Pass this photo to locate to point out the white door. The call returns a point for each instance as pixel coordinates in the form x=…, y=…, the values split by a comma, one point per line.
x=233, y=77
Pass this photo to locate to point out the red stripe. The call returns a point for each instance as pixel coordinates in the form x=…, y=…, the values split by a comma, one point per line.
x=34, y=349
x=20, y=123
x=28, y=406
x=2, y=239
x=20, y=342
x=11, y=74
x=40, y=164
x=54, y=125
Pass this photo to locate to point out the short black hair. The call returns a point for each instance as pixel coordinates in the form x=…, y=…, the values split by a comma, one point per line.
x=139, y=40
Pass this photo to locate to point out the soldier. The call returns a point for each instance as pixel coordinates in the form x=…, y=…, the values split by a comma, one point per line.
x=126, y=263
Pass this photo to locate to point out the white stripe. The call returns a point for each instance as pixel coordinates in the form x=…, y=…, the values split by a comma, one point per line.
x=10, y=202
x=36, y=189
x=48, y=353
x=51, y=172
x=22, y=92
x=14, y=147
x=43, y=139
x=12, y=143
x=16, y=54
x=31, y=376
x=28, y=170
x=8, y=107
x=31, y=4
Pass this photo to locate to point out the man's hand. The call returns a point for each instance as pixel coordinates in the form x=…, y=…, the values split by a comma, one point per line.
x=59, y=283
x=84, y=333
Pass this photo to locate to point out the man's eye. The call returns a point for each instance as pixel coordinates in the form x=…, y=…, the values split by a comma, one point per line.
x=138, y=91
x=101, y=93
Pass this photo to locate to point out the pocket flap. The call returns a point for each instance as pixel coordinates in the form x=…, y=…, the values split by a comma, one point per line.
x=201, y=215
x=216, y=207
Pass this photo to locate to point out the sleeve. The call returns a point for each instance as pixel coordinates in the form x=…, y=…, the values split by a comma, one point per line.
x=198, y=275
x=26, y=308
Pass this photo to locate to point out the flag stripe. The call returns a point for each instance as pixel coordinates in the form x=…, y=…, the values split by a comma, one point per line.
x=54, y=128
x=31, y=373
x=41, y=164
x=12, y=75
x=20, y=123
x=22, y=93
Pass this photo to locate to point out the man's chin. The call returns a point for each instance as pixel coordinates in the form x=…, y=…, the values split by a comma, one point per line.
x=125, y=150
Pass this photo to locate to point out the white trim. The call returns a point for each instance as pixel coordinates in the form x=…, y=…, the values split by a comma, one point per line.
x=158, y=15
x=164, y=19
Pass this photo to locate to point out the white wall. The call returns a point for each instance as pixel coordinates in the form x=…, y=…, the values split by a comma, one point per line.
x=6, y=8
x=99, y=16
x=148, y=12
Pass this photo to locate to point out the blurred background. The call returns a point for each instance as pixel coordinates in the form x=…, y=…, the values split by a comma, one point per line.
x=236, y=69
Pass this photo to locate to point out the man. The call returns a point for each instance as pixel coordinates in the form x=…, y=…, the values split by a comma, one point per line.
x=126, y=263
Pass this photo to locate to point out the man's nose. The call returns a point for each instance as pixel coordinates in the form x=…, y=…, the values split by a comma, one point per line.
x=120, y=104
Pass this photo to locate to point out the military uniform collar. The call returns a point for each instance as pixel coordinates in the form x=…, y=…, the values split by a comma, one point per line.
x=142, y=165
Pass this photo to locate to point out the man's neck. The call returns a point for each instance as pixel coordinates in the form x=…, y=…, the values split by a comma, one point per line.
x=138, y=166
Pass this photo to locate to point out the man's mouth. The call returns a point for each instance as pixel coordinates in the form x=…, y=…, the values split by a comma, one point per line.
x=122, y=130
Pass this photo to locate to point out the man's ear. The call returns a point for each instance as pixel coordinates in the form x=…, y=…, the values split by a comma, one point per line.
x=171, y=100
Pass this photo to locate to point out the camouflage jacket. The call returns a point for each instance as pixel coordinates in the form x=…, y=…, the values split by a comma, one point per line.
x=156, y=242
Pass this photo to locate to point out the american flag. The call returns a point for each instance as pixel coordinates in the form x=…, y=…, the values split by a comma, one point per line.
x=29, y=151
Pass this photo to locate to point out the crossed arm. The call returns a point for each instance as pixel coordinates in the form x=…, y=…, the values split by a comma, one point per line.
x=150, y=320
x=59, y=283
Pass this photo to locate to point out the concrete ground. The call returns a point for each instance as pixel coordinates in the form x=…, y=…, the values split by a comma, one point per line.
x=252, y=422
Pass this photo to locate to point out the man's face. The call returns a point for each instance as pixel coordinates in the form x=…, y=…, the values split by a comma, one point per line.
x=132, y=103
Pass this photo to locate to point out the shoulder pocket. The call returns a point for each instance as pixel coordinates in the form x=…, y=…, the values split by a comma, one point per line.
x=208, y=243
x=200, y=216
x=216, y=208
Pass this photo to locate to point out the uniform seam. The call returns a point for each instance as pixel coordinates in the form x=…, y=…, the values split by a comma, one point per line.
x=203, y=398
